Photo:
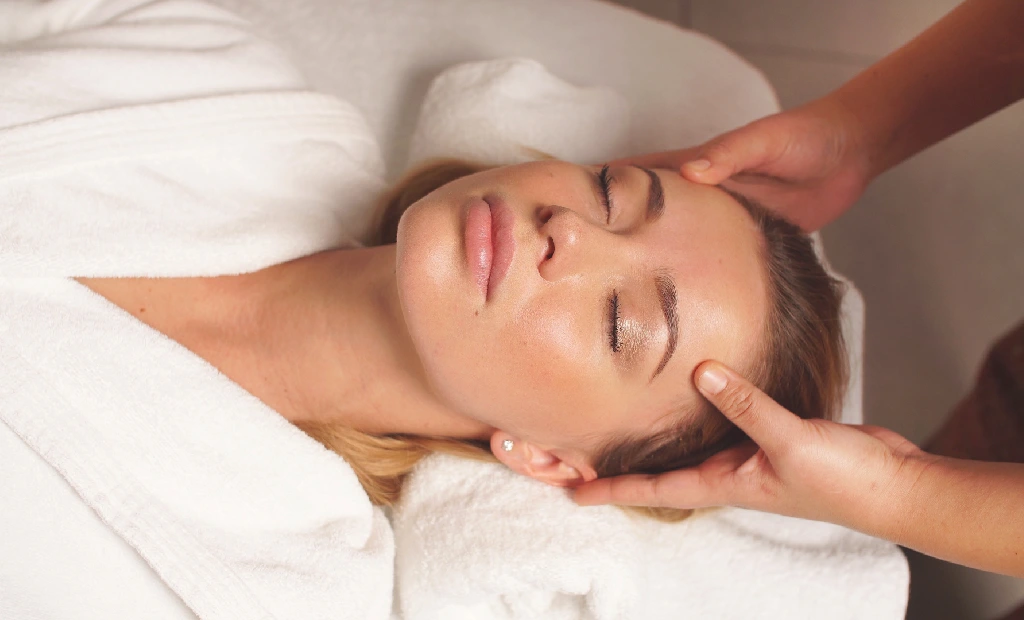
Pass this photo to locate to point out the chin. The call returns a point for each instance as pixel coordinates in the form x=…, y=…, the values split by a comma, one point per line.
x=435, y=295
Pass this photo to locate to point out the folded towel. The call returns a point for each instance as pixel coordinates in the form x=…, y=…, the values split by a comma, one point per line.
x=476, y=540
x=473, y=537
x=486, y=111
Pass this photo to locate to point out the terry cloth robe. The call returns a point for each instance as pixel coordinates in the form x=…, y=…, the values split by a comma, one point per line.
x=162, y=138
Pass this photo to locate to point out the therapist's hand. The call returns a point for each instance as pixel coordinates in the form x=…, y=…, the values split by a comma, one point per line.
x=808, y=164
x=814, y=469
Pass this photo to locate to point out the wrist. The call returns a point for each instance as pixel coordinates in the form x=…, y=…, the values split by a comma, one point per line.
x=896, y=507
x=865, y=136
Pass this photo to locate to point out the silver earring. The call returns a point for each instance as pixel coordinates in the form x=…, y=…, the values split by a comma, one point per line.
x=507, y=445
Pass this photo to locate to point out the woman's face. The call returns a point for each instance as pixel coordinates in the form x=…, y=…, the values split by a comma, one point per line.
x=564, y=316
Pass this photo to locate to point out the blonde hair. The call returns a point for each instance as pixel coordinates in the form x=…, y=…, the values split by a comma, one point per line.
x=381, y=463
x=802, y=364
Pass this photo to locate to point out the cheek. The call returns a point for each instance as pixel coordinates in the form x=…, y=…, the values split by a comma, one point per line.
x=549, y=372
x=548, y=347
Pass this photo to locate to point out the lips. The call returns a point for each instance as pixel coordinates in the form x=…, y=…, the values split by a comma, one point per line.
x=490, y=245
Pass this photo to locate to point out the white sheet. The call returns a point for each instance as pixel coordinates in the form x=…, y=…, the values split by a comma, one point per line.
x=382, y=55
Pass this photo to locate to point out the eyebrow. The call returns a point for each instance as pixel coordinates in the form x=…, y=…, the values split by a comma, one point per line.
x=663, y=282
x=655, y=195
x=666, y=288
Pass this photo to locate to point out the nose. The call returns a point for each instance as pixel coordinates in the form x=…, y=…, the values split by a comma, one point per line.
x=570, y=244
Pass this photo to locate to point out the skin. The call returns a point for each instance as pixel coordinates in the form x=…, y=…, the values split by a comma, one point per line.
x=811, y=164
x=551, y=381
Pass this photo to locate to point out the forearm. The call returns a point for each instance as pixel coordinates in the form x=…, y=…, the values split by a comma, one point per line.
x=965, y=67
x=968, y=512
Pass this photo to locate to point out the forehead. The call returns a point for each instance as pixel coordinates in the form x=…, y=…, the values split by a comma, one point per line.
x=712, y=248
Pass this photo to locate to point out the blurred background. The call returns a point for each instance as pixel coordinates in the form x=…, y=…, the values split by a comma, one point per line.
x=935, y=245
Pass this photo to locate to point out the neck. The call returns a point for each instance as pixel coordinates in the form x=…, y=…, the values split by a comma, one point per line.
x=321, y=340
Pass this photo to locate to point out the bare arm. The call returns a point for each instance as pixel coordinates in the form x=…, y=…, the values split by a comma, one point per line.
x=965, y=67
x=811, y=163
x=968, y=512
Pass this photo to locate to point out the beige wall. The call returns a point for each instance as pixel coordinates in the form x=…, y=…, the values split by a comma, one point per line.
x=936, y=245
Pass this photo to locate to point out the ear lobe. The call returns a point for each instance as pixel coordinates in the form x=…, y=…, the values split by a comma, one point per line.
x=510, y=452
x=537, y=463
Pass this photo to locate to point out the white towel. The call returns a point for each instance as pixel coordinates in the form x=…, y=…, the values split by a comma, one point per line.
x=382, y=55
x=487, y=111
x=163, y=138
x=476, y=540
x=166, y=140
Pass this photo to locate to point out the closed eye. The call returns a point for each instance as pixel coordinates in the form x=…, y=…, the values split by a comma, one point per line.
x=604, y=180
x=613, y=322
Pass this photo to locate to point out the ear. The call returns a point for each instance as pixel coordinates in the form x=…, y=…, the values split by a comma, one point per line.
x=556, y=467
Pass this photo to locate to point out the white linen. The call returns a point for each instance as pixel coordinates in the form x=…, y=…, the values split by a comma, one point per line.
x=190, y=146
x=239, y=513
x=381, y=55
x=142, y=138
x=487, y=111
x=476, y=540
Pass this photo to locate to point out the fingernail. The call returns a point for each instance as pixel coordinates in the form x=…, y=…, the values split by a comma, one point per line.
x=712, y=381
x=698, y=165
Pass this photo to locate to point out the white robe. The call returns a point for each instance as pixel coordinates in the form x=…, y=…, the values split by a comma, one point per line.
x=154, y=139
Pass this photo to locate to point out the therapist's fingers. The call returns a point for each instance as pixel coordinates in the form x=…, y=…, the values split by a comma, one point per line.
x=738, y=151
x=763, y=420
x=743, y=150
x=712, y=483
x=668, y=160
x=679, y=489
x=711, y=162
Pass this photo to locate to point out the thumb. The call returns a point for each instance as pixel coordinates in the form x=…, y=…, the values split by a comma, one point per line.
x=761, y=418
x=729, y=154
